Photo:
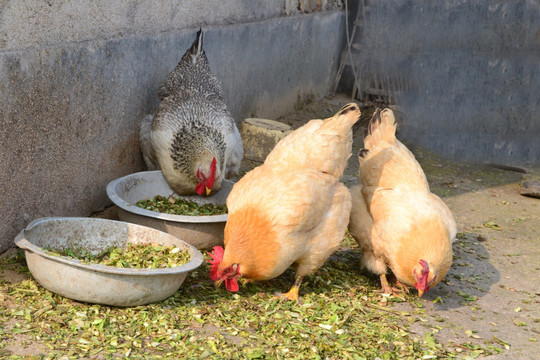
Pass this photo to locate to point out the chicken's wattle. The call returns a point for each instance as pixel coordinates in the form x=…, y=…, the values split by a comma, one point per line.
x=217, y=256
x=231, y=285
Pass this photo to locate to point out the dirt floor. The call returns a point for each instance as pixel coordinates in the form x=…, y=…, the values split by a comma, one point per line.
x=492, y=293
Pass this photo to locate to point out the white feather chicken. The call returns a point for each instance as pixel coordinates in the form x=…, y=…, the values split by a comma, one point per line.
x=192, y=137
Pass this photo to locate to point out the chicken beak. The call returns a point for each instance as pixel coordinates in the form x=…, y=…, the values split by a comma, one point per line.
x=420, y=293
x=208, y=191
x=218, y=282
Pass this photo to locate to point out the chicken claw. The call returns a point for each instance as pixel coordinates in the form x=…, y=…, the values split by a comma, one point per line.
x=292, y=294
x=385, y=286
x=391, y=290
x=402, y=288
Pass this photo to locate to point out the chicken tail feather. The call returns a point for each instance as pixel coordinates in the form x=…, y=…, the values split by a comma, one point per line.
x=197, y=47
x=381, y=127
x=350, y=113
x=362, y=153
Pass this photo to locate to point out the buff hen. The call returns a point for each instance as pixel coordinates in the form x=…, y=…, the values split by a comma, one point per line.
x=396, y=220
x=192, y=137
x=290, y=210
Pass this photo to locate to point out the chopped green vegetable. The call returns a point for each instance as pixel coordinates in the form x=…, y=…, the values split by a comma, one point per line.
x=178, y=206
x=466, y=296
x=202, y=321
x=145, y=256
x=492, y=225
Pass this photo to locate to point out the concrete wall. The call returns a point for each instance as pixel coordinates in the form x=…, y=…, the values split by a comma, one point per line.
x=76, y=77
x=27, y=23
x=466, y=74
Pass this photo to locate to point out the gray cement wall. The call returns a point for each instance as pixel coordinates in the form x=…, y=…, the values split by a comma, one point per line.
x=466, y=74
x=77, y=77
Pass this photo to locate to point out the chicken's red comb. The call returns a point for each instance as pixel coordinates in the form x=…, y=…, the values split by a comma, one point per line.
x=217, y=256
x=425, y=266
x=212, y=177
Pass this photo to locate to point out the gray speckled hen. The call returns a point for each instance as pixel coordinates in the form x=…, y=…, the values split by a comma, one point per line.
x=192, y=137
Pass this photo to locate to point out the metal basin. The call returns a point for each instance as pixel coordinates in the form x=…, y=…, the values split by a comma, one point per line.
x=95, y=283
x=203, y=232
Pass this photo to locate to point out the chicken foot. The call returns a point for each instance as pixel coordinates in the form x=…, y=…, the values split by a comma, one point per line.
x=292, y=294
x=385, y=286
x=401, y=287
x=387, y=289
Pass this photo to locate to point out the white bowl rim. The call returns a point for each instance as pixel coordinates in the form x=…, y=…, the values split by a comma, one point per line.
x=132, y=208
x=23, y=243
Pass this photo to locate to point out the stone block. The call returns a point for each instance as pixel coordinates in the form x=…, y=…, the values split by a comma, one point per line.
x=260, y=136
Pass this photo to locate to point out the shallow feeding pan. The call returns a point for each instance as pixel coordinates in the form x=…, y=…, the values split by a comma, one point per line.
x=97, y=283
x=203, y=232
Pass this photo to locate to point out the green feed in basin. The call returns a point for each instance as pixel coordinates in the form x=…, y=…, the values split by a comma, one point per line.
x=178, y=206
x=135, y=256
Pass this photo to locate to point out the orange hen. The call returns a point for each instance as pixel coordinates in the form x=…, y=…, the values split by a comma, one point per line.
x=396, y=220
x=290, y=210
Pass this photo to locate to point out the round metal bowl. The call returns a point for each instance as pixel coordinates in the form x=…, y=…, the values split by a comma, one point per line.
x=203, y=232
x=96, y=283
